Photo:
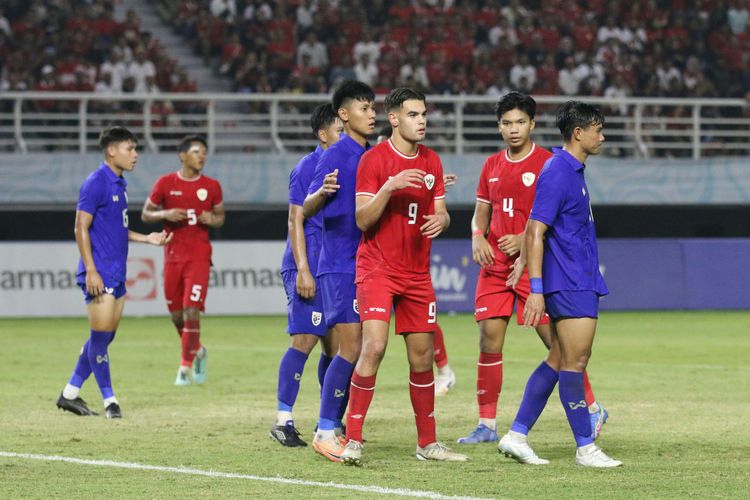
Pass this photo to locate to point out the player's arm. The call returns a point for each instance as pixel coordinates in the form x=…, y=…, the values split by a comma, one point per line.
x=153, y=213
x=159, y=239
x=305, y=281
x=315, y=201
x=449, y=180
x=438, y=222
x=370, y=208
x=94, y=283
x=213, y=218
x=534, y=242
x=481, y=251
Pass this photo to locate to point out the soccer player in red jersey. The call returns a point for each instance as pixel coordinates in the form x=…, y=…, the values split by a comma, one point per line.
x=505, y=195
x=188, y=203
x=446, y=377
x=400, y=209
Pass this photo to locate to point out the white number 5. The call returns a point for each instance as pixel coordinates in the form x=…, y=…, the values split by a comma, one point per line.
x=412, y=213
x=192, y=218
x=195, y=294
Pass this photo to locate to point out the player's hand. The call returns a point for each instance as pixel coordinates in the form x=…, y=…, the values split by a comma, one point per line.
x=516, y=271
x=533, y=311
x=412, y=177
x=175, y=214
x=206, y=218
x=510, y=244
x=434, y=226
x=159, y=239
x=94, y=283
x=330, y=183
x=481, y=251
x=449, y=180
x=305, y=284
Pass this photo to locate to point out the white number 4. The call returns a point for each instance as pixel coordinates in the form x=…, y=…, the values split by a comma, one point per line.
x=195, y=294
x=192, y=218
x=412, y=213
x=508, y=206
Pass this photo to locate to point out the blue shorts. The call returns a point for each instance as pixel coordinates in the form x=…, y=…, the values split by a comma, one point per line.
x=572, y=304
x=303, y=315
x=116, y=288
x=339, y=298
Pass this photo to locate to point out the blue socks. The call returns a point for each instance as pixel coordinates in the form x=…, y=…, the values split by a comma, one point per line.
x=535, y=396
x=290, y=373
x=335, y=392
x=573, y=399
x=82, y=369
x=323, y=364
x=99, y=360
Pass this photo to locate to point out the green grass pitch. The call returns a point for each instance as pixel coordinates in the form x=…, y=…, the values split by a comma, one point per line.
x=677, y=386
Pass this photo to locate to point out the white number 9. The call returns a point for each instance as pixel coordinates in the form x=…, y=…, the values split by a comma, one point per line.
x=412, y=213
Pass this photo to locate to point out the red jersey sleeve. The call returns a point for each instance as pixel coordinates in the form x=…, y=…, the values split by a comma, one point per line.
x=368, y=176
x=439, y=180
x=483, y=189
x=158, y=192
x=218, y=197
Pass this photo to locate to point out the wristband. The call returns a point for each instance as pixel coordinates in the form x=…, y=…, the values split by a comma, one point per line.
x=477, y=232
x=536, y=285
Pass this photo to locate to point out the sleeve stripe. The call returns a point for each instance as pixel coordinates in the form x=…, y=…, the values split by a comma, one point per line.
x=484, y=201
x=364, y=193
x=439, y=197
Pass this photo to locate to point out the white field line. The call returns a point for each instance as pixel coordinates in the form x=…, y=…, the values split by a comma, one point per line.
x=403, y=492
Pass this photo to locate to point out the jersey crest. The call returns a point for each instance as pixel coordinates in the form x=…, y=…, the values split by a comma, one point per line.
x=202, y=194
x=316, y=318
x=429, y=181
x=528, y=179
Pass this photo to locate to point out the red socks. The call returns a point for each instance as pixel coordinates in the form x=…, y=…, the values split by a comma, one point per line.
x=422, y=393
x=441, y=356
x=191, y=341
x=590, y=399
x=489, y=383
x=361, y=391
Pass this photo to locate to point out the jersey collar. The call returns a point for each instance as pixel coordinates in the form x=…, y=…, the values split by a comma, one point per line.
x=111, y=176
x=569, y=159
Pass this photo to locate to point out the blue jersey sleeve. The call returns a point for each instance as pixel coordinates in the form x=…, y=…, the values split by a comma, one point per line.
x=297, y=192
x=321, y=170
x=550, y=195
x=92, y=194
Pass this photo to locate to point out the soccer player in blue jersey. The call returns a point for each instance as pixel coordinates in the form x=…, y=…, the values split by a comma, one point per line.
x=561, y=253
x=299, y=266
x=332, y=193
x=102, y=235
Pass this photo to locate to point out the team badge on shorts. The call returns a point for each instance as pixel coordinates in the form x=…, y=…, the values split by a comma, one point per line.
x=355, y=306
x=316, y=317
x=202, y=194
x=429, y=181
x=528, y=179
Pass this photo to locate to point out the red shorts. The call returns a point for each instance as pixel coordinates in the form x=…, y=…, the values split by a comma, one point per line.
x=413, y=299
x=494, y=299
x=186, y=284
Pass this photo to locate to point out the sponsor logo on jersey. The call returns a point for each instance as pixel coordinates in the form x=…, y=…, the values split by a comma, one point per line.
x=357, y=416
x=481, y=392
x=175, y=193
x=429, y=181
x=202, y=194
x=493, y=179
x=316, y=318
x=102, y=359
x=528, y=179
x=338, y=393
x=480, y=309
x=115, y=197
x=377, y=309
x=297, y=376
x=574, y=406
x=355, y=306
x=109, y=290
x=583, y=190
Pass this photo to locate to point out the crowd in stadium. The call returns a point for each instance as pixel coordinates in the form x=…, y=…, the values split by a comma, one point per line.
x=668, y=48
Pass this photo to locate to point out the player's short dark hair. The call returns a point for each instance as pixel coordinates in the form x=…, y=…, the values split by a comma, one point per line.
x=115, y=134
x=350, y=90
x=576, y=114
x=322, y=117
x=515, y=100
x=397, y=97
x=188, y=140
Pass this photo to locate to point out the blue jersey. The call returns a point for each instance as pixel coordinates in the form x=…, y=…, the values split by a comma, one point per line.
x=571, y=257
x=340, y=232
x=103, y=195
x=299, y=180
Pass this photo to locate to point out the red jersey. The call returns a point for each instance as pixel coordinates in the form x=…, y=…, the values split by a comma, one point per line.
x=395, y=241
x=190, y=240
x=509, y=186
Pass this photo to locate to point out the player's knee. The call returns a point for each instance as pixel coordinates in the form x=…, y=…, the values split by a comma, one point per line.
x=304, y=342
x=582, y=361
x=191, y=314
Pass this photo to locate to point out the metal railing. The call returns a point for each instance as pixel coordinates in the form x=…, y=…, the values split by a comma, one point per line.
x=636, y=127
